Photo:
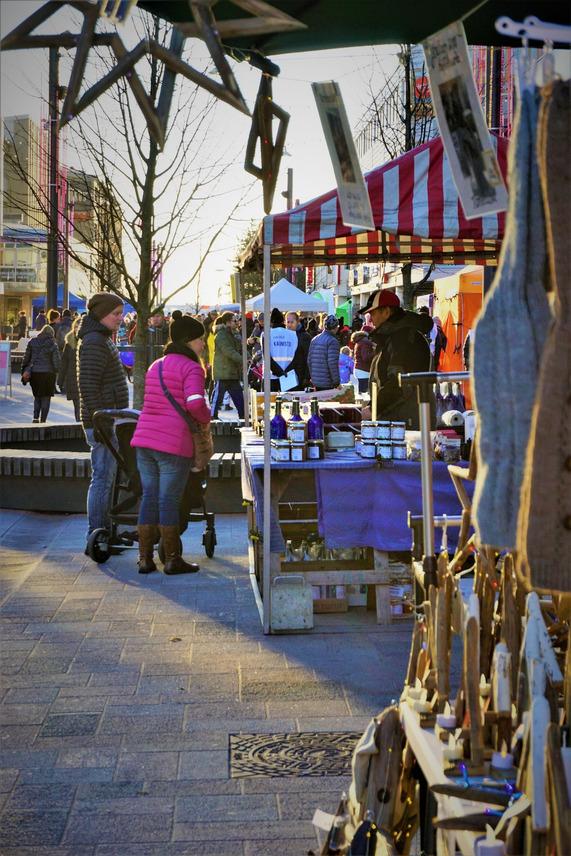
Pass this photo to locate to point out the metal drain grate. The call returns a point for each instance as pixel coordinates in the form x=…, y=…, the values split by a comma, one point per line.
x=311, y=753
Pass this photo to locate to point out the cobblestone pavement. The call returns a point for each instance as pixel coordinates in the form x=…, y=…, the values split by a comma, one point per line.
x=119, y=692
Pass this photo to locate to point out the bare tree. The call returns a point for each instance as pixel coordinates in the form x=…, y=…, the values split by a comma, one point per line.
x=147, y=203
x=400, y=117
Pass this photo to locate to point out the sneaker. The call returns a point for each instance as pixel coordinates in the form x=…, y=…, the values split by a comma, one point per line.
x=35, y=420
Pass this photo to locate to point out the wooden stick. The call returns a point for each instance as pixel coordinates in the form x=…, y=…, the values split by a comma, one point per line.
x=442, y=636
x=472, y=679
x=415, y=646
x=559, y=806
x=511, y=620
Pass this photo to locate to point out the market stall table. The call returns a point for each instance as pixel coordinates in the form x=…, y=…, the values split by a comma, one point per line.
x=359, y=504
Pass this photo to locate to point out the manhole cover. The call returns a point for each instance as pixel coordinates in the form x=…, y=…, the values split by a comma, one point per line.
x=311, y=753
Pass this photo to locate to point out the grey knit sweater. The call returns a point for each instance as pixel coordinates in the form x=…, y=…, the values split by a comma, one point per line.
x=508, y=341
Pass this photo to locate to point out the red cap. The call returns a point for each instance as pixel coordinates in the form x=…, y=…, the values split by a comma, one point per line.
x=381, y=298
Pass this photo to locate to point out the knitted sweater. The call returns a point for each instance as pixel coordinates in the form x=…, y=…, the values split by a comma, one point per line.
x=508, y=341
x=544, y=534
x=101, y=377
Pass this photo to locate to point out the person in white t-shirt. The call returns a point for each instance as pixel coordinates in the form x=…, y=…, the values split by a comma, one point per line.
x=283, y=346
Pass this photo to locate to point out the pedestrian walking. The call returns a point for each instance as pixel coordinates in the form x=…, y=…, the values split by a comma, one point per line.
x=22, y=325
x=102, y=385
x=63, y=328
x=323, y=356
x=300, y=363
x=67, y=378
x=227, y=365
x=40, y=320
x=39, y=368
x=167, y=449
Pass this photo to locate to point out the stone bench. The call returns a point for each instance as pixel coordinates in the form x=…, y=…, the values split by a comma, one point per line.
x=66, y=436
x=57, y=480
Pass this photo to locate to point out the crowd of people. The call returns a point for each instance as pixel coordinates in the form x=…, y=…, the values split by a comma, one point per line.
x=199, y=366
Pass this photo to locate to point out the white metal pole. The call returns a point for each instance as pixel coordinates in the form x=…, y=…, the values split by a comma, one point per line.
x=266, y=576
x=245, y=359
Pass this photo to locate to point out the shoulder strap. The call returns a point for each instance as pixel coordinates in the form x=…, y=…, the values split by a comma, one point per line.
x=192, y=423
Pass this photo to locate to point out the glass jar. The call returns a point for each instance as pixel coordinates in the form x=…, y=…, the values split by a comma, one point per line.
x=384, y=450
x=383, y=430
x=368, y=430
x=296, y=431
x=298, y=452
x=315, y=450
x=280, y=450
x=398, y=430
x=368, y=448
x=399, y=451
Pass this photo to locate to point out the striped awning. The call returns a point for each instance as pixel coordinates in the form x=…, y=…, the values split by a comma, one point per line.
x=416, y=210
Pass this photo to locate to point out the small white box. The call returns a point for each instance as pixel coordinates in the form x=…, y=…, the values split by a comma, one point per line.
x=291, y=605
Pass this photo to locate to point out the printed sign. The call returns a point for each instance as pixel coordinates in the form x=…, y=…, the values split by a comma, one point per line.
x=353, y=195
x=5, y=364
x=463, y=129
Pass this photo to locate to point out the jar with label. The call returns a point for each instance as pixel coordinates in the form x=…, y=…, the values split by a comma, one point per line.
x=368, y=430
x=298, y=451
x=280, y=450
x=399, y=451
x=450, y=450
x=383, y=430
x=296, y=431
x=369, y=448
x=384, y=450
x=315, y=450
x=398, y=430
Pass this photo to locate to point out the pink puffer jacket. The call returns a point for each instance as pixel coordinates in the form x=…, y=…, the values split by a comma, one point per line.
x=160, y=427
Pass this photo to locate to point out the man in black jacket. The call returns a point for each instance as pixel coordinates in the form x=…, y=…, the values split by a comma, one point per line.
x=400, y=337
x=102, y=385
x=300, y=359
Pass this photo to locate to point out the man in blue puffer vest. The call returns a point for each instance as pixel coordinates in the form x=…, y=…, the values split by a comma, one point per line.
x=323, y=357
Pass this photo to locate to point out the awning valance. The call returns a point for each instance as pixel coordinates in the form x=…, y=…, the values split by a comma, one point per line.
x=416, y=210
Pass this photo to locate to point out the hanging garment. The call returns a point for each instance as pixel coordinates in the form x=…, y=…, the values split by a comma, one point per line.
x=544, y=536
x=508, y=342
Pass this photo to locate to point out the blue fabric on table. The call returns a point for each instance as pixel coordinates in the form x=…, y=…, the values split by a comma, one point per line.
x=371, y=510
x=367, y=508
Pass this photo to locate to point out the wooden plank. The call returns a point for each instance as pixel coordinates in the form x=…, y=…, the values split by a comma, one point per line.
x=322, y=578
x=332, y=565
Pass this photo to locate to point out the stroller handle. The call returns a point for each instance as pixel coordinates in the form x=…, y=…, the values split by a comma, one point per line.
x=418, y=378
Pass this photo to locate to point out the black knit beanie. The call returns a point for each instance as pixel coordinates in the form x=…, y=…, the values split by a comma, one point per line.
x=102, y=303
x=277, y=318
x=186, y=329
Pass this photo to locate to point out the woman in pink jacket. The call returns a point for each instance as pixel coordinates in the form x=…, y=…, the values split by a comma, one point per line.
x=164, y=443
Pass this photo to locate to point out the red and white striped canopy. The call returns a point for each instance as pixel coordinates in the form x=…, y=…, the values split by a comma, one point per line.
x=417, y=214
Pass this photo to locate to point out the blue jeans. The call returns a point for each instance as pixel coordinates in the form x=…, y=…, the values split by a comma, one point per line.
x=103, y=469
x=164, y=477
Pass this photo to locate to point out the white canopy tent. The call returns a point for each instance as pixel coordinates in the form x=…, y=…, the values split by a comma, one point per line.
x=287, y=298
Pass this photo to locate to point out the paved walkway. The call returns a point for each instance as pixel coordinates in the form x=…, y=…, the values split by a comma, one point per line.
x=119, y=692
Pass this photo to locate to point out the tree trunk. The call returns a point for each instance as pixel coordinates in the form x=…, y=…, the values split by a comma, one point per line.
x=408, y=287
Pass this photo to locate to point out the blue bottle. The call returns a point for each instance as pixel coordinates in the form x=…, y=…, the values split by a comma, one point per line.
x=278, y=426
x=315, y=422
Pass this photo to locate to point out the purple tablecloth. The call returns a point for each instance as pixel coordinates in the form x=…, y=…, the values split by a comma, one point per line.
x=369, y=508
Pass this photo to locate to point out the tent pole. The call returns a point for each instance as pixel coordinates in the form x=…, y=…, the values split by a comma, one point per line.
x=266, y=575
x=245, y=359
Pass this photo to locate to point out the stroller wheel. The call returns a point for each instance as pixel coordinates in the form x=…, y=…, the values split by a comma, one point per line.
x=161, y=550
x=98, y=547
x=209, y=542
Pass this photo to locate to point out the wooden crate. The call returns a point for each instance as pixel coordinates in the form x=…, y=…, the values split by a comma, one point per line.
x=330, y=604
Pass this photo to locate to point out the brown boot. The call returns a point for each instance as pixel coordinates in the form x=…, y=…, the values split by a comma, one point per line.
x=174, y=563
x=147, y=535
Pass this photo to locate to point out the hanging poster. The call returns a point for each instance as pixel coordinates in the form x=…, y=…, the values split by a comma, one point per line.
x=5, y=364
x=463, y=129
x=353, y=194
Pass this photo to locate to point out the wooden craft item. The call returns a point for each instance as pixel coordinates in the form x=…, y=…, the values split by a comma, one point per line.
x=535, y=616
x=267, y=19
x=442, y=638
x=415, y=646
x=535, y=789
x=472, y=679
x=567, y=683
x=557, y=789
x=501, y=694
x=261, y=130
x=469, y=822
x=494, y=796
x=510, y=619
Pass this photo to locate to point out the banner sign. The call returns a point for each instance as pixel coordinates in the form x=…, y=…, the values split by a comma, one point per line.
x=5, y=364
x=353, y=194
x=463, y=129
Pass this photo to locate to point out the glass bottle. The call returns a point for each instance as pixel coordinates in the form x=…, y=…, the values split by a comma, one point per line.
x=278, y=426
x=335, y=842
x=315, y=422
x=295, y=411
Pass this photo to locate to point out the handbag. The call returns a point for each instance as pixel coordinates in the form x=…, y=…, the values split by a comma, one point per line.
x=201, y=434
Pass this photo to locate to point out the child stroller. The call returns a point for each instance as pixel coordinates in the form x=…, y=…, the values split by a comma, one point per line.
x=127, y=492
